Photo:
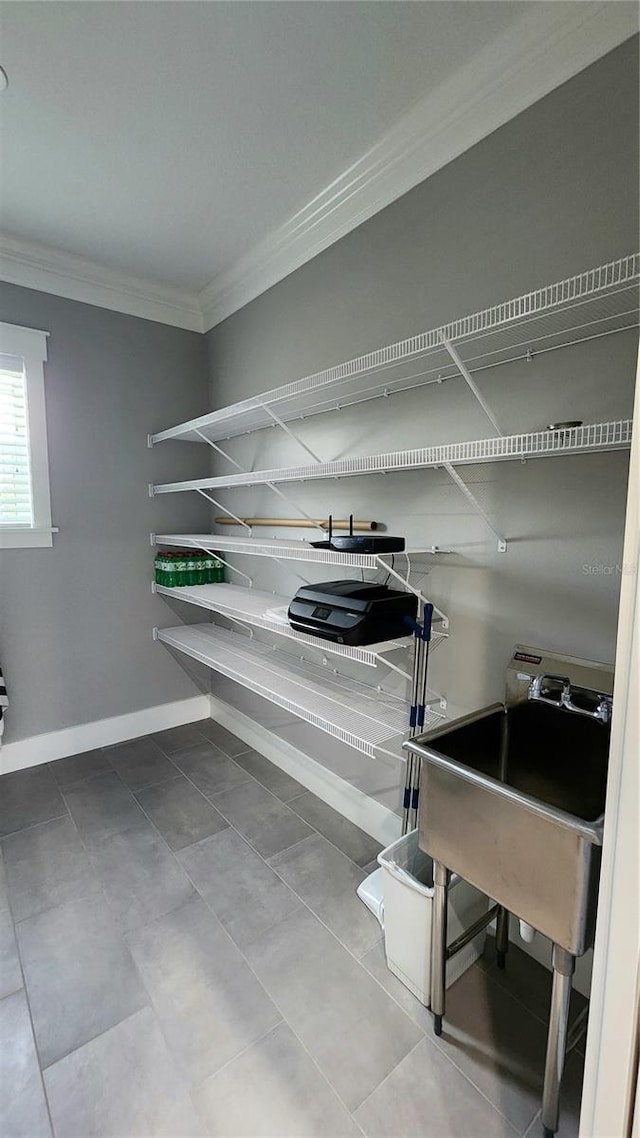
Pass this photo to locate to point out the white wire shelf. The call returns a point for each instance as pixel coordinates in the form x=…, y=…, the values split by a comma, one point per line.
x=284, y=549
x=592, y=304
x=536, y=444
x=361, y=716
x=268, y=611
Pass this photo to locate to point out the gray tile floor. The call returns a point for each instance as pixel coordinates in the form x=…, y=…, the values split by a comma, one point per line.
x=183, y=953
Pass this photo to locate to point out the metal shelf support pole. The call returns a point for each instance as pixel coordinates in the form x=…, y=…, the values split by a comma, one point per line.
x=214, y=553
x=314, y=521
x=243, y=470
x=278, y=421
x=502, y=543
x=394, y=667
x=224, y=509
x=220, y=451
x=411, y=588
x=466, y=375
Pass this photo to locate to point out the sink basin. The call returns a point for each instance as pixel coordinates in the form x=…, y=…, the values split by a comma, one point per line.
x=557, y=758
x=513, y=800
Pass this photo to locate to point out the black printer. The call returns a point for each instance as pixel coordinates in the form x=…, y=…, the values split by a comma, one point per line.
x=352, y=612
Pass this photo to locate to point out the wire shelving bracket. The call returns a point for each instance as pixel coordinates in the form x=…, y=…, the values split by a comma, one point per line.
x=461, y=484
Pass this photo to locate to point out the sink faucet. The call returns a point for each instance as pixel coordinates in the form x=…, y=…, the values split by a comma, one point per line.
x=558, y=691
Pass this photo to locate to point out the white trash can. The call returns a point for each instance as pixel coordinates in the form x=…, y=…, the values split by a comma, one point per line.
x=407, y=886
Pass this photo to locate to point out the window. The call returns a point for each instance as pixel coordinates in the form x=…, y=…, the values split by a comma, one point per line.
x=25, y=508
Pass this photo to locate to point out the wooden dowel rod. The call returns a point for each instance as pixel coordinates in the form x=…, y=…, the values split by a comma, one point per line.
x=298, y=523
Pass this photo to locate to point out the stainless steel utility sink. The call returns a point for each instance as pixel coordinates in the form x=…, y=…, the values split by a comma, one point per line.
x=558, y=760
x=512, y=798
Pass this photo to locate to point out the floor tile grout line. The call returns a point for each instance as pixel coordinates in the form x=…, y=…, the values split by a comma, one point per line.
x=191, y=1089
x=430, y=1037
x=246, y=840
x=243, y=1051
x=217, y=722
x=271, y=998
x=541, y=1019
x=529, y=1128
x=436, y=1043
x=319, y=834
x=98, y=1035
x=27, y=1000
x=511, y=995
x=299, y=816
x=480, y=1091
x=365, y=1100
x=120, y=931
x=333, y=934
x=88, y=848
x=275, y=923
x=304, y=903
x=14, y=991
x=152, y=736
x=248, y=778
x=253, y=778
x=317, y=1066
x=325, y=836
x=313, y=912
x=284, y=801
x=205, y=739
x=35, y=825
x=301, y=899
x=293, y=846
x=173, y=853
x=84, y=778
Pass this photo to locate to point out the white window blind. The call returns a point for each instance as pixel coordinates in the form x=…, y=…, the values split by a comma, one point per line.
x=16, y=498
x=25, y=502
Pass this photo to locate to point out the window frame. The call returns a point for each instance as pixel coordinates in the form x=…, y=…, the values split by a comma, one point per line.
x=30, y=344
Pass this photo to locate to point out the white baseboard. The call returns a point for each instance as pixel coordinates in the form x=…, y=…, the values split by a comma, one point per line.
x=100, y=733
x=371, y=816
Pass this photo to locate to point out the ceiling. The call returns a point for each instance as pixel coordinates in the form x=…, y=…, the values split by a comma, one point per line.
x=167, y=141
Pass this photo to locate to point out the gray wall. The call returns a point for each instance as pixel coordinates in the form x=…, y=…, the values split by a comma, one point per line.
x=549, y=194
x=76, y=619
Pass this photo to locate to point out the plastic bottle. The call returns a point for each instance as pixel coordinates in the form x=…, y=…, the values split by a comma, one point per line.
x=201, y=576
x=169, y=575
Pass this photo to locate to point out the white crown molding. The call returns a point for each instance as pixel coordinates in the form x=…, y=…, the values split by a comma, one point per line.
x=32, y=265
x=549, y=45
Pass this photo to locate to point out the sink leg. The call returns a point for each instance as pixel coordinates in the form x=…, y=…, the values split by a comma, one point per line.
x=438, y=944
x=563, y=968
x=502, y=936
